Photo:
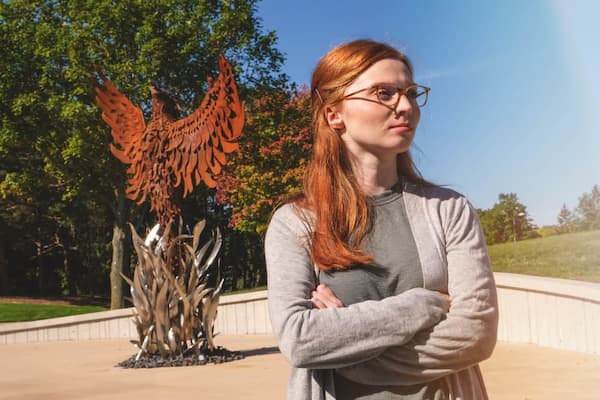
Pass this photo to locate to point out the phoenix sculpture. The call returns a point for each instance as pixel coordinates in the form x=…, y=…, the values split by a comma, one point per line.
x=168, y=152
x=167, y=157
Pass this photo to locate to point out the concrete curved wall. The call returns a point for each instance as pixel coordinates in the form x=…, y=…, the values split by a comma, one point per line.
x=549, y=312
x=557, y=313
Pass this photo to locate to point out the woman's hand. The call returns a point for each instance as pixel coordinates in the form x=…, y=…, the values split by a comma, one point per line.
x=323, y=297
x=446, y=299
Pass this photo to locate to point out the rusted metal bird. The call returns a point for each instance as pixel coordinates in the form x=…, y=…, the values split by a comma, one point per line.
x=169, y=152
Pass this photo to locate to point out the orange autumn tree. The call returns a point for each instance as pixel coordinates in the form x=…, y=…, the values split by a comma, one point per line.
x=269, y=165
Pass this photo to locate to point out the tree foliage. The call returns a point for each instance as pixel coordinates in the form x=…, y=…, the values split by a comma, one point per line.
x=584, y=217
x=566, y=220
x=267, y=169
x=272, y=157
x=588, y=210
x=507, y=220
x=60, y=188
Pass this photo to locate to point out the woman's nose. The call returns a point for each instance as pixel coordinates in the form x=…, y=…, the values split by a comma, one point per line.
x=404, y=105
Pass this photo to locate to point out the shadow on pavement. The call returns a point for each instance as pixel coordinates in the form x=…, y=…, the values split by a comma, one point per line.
x=260, y=351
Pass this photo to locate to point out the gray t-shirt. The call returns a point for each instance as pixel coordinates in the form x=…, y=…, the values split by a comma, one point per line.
x=396, y=269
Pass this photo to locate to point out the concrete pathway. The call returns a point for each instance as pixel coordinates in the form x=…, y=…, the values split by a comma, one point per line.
x=85, y=370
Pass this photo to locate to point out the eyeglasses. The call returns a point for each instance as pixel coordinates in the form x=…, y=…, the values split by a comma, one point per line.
x=389, y=96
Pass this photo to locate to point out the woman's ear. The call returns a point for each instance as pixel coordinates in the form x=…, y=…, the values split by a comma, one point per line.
x=334, y=118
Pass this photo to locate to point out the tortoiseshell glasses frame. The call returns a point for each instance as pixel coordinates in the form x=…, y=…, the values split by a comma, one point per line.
x=389, y=96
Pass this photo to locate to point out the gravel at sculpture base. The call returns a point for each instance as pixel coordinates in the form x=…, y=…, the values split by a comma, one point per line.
x=217, y=356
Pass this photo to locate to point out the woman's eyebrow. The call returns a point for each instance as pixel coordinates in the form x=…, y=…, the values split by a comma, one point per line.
x=376, y=84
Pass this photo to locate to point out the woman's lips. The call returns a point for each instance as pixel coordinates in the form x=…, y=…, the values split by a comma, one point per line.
x=401, y=127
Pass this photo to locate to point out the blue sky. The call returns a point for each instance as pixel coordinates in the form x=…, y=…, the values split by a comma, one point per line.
x=515, y=97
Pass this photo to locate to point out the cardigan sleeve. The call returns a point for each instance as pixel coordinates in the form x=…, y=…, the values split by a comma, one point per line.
x=467, y=334
x=334, y=337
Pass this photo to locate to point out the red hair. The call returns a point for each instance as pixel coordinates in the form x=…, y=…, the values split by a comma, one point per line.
x=342, y=212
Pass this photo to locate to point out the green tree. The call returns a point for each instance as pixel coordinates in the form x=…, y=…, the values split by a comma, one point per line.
x=507, y=220
x=566, y=220
x=56, y=167
x=588, y=210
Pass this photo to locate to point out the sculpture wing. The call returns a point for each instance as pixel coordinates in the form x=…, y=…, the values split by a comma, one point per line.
x=125, y=119
x=199, y=142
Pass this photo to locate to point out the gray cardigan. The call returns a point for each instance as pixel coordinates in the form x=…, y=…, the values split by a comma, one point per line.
x=405, y=339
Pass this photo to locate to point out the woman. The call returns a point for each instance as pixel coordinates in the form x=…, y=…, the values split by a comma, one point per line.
x=379, y=282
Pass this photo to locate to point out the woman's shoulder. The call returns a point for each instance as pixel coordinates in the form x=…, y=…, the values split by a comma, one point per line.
x=448, y=204
x=285, y=211
x=292, y=214
x=435, y=193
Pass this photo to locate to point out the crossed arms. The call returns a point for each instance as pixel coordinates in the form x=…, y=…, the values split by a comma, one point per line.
x=405, y=339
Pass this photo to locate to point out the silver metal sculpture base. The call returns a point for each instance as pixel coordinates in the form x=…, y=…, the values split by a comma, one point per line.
x=175, y=306
x=217, y=356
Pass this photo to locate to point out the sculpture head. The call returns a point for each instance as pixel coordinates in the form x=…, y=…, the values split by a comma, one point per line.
x=165, y=99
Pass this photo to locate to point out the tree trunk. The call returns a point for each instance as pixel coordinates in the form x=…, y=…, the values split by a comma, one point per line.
x=4, y=286
x=41, y=269
x=121, y=250
x=66, y=241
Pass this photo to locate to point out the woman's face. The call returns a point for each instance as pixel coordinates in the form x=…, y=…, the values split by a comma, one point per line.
x=368, y=127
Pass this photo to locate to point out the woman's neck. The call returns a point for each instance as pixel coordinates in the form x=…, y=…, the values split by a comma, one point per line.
x=373, y=174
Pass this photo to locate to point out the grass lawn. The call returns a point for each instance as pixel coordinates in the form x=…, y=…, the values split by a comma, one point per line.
x=10, y=312
x=569, y=256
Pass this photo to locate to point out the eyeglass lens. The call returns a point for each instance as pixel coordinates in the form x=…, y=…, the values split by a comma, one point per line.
x=390, y=95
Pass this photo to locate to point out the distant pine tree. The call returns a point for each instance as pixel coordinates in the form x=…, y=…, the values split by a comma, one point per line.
x=588, y=210
x=566, y=220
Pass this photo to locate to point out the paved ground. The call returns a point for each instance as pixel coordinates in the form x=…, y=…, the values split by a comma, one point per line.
x=85, y=370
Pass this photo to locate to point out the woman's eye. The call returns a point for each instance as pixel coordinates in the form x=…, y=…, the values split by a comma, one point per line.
x=386, y=93
x=412, y=93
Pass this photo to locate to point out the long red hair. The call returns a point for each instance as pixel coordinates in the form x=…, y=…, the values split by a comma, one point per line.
x=342, y=212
